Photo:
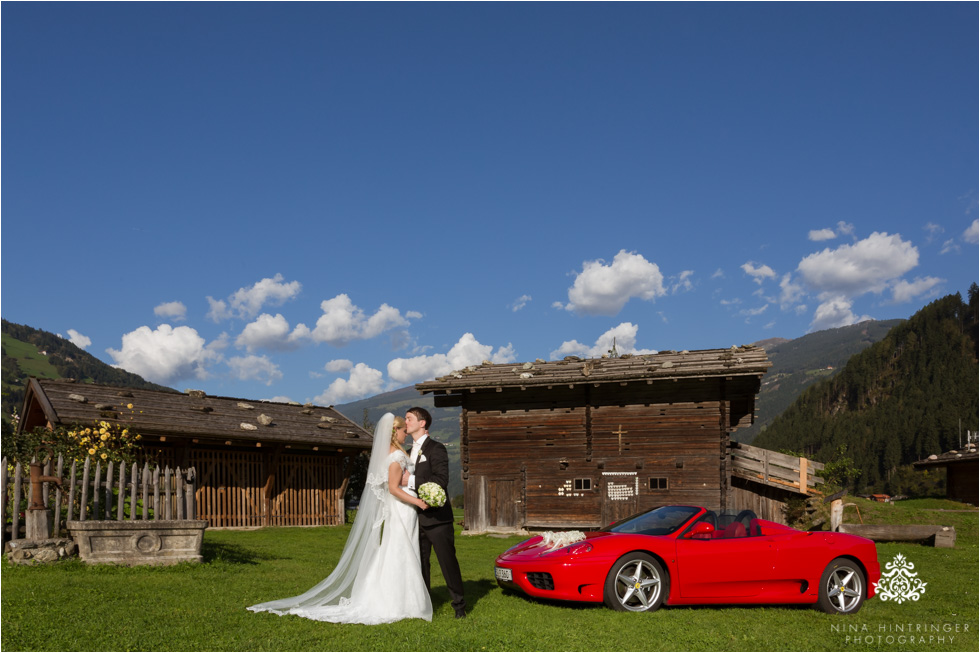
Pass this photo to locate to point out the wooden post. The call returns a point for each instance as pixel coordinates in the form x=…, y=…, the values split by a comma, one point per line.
x=56, y=531
x=146, y=476
x=179, y=480
x=132, y=493
x=120, y=510
x=156, y=493
x=71, y=491
x=4, y=502
x=108, y=492
x=168, y=509
x=803, y=485
x=836, y=514
x=83, y=506
x=15, y=508
x=191, y=495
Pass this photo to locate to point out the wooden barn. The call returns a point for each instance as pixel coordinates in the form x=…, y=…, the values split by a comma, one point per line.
x=581, y=443
x=257, y=463
x=961, y=472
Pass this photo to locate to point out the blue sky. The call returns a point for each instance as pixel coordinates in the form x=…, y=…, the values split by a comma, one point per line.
x=321, y=202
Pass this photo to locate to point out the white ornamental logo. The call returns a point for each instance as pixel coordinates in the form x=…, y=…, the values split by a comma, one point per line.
x=900, y=583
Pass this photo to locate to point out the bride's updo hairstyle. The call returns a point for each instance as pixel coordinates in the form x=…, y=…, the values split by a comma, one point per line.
x=397, y=424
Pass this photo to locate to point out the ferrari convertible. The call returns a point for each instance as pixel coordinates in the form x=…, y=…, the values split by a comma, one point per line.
x=687, y=555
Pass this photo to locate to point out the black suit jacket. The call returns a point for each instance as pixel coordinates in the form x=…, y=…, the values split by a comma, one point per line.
x=433, y=467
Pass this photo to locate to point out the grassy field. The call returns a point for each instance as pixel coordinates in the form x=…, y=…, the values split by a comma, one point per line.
x=70, y=606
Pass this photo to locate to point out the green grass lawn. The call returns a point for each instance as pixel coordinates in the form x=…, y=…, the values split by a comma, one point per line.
x=70, y=606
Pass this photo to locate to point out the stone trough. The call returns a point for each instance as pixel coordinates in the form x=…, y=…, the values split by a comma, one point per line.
x=163, y=542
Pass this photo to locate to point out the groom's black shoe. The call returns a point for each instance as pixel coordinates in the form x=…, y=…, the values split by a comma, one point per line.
x=460, y=613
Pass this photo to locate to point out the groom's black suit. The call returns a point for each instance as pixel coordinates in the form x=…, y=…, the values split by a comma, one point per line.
x=436, y=524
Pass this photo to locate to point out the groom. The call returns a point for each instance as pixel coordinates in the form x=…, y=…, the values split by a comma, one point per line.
x=435, y=524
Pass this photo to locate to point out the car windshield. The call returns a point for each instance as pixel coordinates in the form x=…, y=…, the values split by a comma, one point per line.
x=659, y=521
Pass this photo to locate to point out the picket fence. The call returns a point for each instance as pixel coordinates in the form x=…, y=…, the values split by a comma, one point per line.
x=99, y=494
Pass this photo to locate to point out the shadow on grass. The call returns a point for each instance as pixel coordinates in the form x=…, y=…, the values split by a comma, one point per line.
x=473, y=592
x=234, y=554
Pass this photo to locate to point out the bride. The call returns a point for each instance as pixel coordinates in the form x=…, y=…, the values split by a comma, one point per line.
x=379, y=578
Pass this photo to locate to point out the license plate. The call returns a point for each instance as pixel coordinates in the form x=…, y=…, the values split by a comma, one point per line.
x=503, y=574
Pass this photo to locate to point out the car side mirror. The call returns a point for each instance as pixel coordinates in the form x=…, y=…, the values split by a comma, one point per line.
x=701, y=528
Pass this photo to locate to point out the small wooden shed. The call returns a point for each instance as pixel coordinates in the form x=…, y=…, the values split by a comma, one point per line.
x=583, y=442
x=962, y=472
x=258, y=463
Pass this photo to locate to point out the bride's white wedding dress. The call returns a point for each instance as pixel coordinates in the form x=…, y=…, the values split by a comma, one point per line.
x=378, y=579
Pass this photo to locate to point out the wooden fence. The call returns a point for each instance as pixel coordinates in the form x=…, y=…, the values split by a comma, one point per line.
x=775, y=469
x=101, y=493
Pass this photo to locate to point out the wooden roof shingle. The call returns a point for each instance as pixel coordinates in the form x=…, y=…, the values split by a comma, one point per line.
x=190, y=415
x=747, y=360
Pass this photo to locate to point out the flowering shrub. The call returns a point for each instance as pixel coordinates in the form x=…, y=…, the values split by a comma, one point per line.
x=102, y=440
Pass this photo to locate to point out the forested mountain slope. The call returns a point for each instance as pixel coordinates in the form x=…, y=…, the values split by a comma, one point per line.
x=908, y=396
x=32, y=352
x=799, y=363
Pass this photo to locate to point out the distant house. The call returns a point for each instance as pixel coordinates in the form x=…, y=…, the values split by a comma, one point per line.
x=581, y=443
x=258, y=463
x=962, y=472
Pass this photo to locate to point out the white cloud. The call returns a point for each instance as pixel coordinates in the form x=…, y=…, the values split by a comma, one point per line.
x=558, y=305
x=272, y=332
x=752, y=312
x=78, y=339
x=164, y=355
x=625, y=338
x=790, y=291
x=363, y=382
x=904, y=291
x=254, y=368
x=343, y=322
x=604, y=289
x=822, y=234
x=413, y=315
x=835, y=312
x=468, y=351
x=718, y=274
x=866, y=266
x=282, y=399
x=933, y=230
x=247, y=302
x=759, y=273
x=845, y=228
x=339, y=365
x=950, y=245
x=970, y=233
x=520, y=303
x=683, y=282
x=731, y=302
x=171, y=310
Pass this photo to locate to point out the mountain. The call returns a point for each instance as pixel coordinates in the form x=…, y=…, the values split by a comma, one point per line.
x=902, y=399
x=799, y=363
x=32, y=352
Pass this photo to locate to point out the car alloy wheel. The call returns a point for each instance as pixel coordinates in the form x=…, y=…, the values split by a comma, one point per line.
x=842, y=588
x=636, y=583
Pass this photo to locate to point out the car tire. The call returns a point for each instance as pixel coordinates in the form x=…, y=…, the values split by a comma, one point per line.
x=636, y=583
x=843, y=587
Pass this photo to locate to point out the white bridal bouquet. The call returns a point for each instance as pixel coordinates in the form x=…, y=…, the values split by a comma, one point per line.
x=433, y=495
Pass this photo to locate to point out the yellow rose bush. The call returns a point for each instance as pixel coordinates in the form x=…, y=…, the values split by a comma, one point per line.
x=102, y=441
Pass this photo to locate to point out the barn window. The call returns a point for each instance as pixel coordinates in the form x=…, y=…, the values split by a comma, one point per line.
x=583, y=484
x=658, y=483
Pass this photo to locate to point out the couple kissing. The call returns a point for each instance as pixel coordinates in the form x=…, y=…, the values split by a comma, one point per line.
x=384, y=570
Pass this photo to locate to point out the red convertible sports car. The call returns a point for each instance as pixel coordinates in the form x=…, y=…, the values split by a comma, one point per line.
x=686, y=555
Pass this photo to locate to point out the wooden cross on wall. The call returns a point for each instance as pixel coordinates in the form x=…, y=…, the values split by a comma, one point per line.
x=620, y=433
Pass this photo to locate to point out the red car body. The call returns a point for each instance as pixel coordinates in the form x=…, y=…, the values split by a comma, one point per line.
x=678, y=552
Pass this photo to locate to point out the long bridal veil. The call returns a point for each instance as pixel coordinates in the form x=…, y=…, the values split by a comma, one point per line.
x=364, y=539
